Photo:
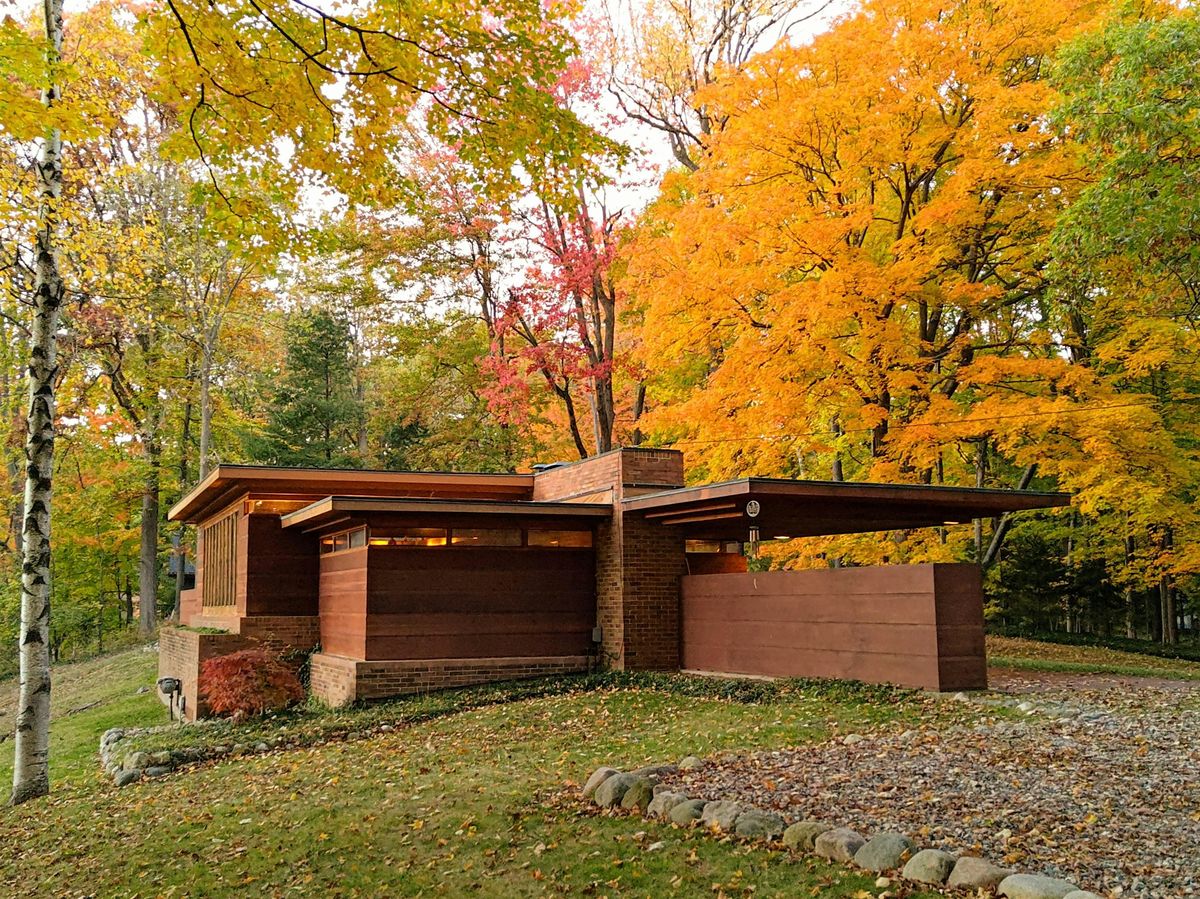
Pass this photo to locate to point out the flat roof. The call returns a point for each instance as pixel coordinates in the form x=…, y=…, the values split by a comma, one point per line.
x=331, y=509
x=791, y=508
x=226, y=483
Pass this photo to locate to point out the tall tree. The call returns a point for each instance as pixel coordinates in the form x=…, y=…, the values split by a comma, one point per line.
x=1126, y=257
x=663, y=55
x=859, y=273
x=31, y=768
x=315, y=413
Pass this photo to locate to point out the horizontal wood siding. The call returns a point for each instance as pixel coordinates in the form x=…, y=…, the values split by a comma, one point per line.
x=914, y=625
x=477, y=602
x=343, y=581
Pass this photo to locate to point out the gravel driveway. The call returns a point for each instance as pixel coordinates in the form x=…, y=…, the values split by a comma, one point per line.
x=1099, y=783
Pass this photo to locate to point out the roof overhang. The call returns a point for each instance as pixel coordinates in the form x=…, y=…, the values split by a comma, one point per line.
x=334, y=509
x=789, y=508
x=226, y=483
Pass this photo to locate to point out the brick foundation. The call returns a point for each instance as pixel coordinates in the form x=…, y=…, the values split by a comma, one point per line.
x=339, y=681
x=182, y=651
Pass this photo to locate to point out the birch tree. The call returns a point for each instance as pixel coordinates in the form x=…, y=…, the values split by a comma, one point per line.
x=31, y=761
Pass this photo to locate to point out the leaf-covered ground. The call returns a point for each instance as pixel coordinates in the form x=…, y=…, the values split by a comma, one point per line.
x=1097, y=785
x=1015, y=652
x=480, y=801
x=474, y=803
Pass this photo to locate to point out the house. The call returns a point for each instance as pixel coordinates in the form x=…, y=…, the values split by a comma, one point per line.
x=414, y=581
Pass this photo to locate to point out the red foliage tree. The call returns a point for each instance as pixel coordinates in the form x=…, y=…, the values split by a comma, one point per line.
x=248, y=682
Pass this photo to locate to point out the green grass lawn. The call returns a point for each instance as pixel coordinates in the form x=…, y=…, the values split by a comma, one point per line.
x=479, y=802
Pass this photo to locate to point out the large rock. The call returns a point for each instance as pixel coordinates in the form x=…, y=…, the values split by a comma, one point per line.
x=136, y=761
x=687, y=811
x=1082, y=894
x=883, y=852
x=756, y=824
x=929, y=866
x=160, y=758
x=662, y=803
x=690, y=763
x=125, y=778
x=721, y=814
x=599, y=776
x=158, y=770
x=803, y=834
x=839, y=844
x=639, y=794
x=613, y=789
x=971, y=873
x=1034, y=886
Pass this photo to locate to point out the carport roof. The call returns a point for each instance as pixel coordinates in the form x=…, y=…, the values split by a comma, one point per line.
x=790, y=508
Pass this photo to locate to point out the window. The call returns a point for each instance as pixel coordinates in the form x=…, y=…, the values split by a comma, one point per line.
x=410, y=537
x=219, y=544
x=274, y=506
x=335, y=543
x=512, y=537
x=561, y=539
x=486, y=537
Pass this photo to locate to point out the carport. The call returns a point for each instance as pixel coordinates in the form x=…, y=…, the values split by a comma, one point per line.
x=915, y=625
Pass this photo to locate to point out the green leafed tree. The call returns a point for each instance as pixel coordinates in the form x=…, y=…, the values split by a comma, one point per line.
x=1128, y=261
x=314, y=415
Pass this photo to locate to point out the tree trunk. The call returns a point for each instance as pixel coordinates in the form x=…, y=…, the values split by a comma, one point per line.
x=148, y=555
x=1005, y=522
x=180, y=547
x=981, y=455
x=205, y=413
x=837, y=474
x=639, y=407
x=360, y=396
x=1166, y=602
x=31, y=760
x=1130, y=549
x=1166, y=596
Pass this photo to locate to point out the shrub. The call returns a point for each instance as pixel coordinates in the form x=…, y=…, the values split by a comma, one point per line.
x=248, y=682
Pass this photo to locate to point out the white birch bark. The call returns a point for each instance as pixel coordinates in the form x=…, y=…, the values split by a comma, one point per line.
x=31, y=762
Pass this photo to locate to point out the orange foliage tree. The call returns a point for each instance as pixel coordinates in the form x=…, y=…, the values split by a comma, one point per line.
x=856, y=281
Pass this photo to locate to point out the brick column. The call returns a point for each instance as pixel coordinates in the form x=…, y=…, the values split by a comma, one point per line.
x=638, y=563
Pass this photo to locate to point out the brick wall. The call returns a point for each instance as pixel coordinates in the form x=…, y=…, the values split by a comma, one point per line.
x=638, y=563
x=283, y=631
x=181, y=652
x=654, y=561
x=587, y=476
x=339, y=681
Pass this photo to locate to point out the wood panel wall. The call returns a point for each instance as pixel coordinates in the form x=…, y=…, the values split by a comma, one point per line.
x=282, y=579
x=343, y=587
x=913, y=625
x=477, y=602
